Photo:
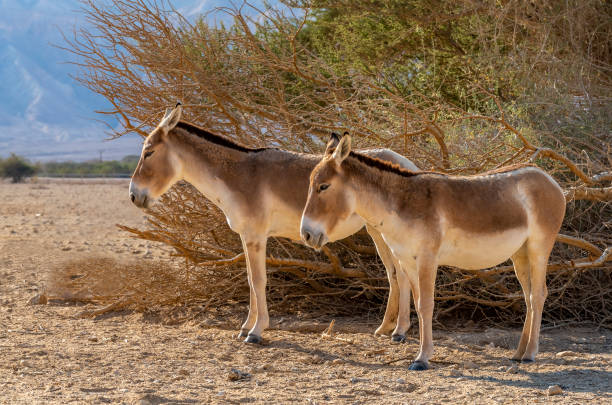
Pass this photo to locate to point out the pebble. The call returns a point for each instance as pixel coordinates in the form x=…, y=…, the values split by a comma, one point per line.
x=554, y=390
x=491, y=345
x=566, y=353
x=25, y=363
x=470, y=364
x=337, y=361
x=513, y=369
x=454, y=373
x=38, y=299
x=401, y=381
x=237, y=375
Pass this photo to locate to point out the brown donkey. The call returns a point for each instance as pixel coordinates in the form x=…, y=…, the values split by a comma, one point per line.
x=262, y=192
x=429, y=219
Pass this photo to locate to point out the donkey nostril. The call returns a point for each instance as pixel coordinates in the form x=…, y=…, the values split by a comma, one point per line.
x=307, y=236
x=132, y=196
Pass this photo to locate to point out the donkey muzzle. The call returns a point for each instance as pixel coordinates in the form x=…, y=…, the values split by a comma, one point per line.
x=140, y=198
x=312, y=237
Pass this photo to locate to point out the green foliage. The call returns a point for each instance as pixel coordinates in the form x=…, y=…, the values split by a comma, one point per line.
x=17, y=168
x=443, y=48
x=106, y=168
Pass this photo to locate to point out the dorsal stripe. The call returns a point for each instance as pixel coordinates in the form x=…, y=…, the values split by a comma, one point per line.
x=383, y=165
x=216, y=139
x=387, y=166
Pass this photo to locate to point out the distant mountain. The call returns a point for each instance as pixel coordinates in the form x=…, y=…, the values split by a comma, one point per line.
x=44, y=114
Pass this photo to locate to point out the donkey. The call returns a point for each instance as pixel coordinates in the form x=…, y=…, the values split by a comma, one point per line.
x=429, y=219
x=262, y=193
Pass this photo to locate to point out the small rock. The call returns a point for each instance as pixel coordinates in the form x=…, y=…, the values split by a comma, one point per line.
x=566, y=353
x=184, y=372
x=66, y=248
x=470, y=365
x=554, y=390
x=237, y=375
x=454, y=373
x=501, y=368
x=513, y=369
x=491, y=345
x=337, y=361
x=93, y=339
x=38, y=299
x=220, y=393
x=401, y=381
x=150, y=399
x=25, y=363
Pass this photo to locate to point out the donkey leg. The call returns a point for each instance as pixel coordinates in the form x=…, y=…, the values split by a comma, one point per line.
x=404, y=276
x=255, y=251
x=538, y=259
x=252, y=316
x=522, y=270
x=388, y=323
x=426, y=270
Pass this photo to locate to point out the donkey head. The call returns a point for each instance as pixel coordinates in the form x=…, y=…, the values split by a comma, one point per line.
x=330, y=200
x=158, y=168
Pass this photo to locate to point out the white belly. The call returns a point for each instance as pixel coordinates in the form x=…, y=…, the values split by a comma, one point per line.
x=479, y=251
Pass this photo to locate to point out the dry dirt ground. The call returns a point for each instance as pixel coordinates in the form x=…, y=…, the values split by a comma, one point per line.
x=50, y=355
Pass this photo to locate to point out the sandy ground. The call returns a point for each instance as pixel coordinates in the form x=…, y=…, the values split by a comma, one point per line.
x=50, y=355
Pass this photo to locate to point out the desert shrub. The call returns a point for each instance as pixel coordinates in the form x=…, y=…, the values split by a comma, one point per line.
x=461, y=88
x=16, y=168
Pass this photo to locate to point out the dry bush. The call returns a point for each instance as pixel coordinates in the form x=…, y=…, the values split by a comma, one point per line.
x=257, y=83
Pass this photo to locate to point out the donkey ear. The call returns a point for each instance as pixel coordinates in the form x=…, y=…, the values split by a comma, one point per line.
x=343, y=149
x=334, y=140
x=171, y=118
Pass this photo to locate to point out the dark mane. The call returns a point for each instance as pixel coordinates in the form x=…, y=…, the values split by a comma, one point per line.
x=387, y=166
x=216, y=139
x=384, y=165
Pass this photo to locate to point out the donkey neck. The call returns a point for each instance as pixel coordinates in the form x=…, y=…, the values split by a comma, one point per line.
x=377, y=191
x=214, y=168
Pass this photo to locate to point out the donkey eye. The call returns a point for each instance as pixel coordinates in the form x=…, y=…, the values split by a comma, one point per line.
x=323, y=187
x=149, y=153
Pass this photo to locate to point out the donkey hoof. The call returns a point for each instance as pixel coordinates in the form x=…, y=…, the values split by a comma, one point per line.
x=527, y=360
x=418, y=366
x=397, y=338
x=253, y=339
x=242, y=333
x=384, y=330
